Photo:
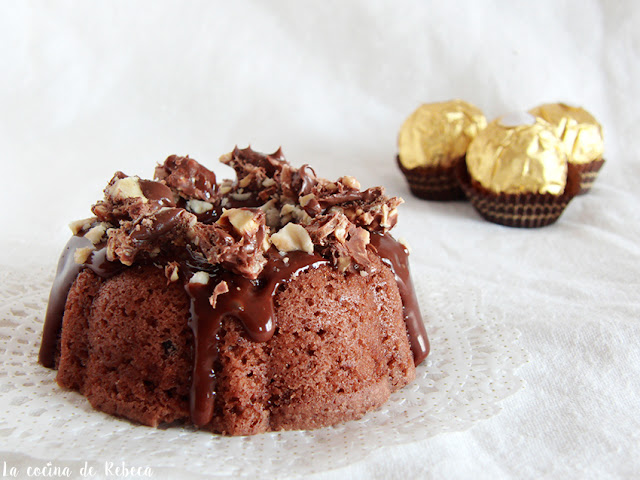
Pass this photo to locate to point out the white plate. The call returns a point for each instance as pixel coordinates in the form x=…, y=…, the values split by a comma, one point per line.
x=471, y=368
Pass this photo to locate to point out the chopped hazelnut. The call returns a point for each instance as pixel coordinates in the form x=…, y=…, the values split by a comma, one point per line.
x=201, y=278
x=350, y=182
x=306, y=199
x=290, y=212
x=292, y=237
x=272, y=215
x=225, y=158
x=198, y=206
x=385, y=216
x=340, y=233
x=171, y=272
x=79, y=225
x=245, y=182
x=95, y=234
x=127, y=187
x=243, y=220
x=225, y=187
x=241, y=197
x=343, y=263
x=81, y=255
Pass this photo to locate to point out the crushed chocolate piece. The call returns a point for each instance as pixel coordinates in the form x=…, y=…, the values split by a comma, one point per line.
x=128, y=198
x=253, y=169
x=240, y=250
x=188, y=178
x=375, y=212
x=149, y=234
x=341, y=240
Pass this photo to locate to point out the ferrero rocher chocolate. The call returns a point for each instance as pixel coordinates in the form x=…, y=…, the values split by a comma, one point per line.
x=579, y=131
x=437, y=134
x=518, y=155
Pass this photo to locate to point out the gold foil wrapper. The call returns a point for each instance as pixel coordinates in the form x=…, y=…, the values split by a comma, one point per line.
x=518, y=157
x=579, y=131
x=437, y=134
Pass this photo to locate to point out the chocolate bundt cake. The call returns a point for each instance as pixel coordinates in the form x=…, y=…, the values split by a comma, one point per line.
x=276, y=301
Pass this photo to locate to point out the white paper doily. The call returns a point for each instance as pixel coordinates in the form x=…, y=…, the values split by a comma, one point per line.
x=472, y=366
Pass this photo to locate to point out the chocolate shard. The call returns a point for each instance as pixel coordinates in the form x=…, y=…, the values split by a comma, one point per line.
x=149, y=235
x=375, y=211
x=237, y=241
x=128, y=198
x=188, y=178
x=246, y=161
x=336, y=237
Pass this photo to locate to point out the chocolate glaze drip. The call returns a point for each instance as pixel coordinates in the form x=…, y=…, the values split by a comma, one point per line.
x=251, y=303
x=395, y=255
x=66, y=274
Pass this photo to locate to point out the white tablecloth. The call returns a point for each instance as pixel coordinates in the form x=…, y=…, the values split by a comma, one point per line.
x=89, y=88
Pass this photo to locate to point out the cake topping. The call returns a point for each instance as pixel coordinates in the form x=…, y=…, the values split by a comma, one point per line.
x=511, y=157
x=301, y=196
x=171, y=271
x=187, y=178
x=580, y=132
x=130, y=198
x=148, y=234
x=231, y=225
x=437, y=134
x=239, y=248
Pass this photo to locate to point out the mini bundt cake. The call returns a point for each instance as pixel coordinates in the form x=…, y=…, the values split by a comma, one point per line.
x=277, y=301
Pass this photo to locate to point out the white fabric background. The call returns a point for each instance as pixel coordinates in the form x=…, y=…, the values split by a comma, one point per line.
x=87, y=88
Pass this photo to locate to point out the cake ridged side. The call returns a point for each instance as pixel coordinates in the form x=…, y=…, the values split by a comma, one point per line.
x=339, y=350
